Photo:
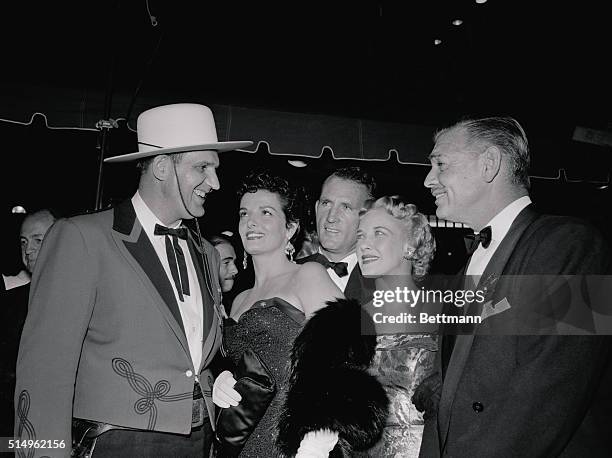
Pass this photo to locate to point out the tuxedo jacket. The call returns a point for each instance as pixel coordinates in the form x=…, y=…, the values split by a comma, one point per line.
x=104, y=337
x=528, y=395
x=358, y=287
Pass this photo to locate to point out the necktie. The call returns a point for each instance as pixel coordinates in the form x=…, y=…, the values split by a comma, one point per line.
x=341, y=268
x=473, y=240
x=175, y=255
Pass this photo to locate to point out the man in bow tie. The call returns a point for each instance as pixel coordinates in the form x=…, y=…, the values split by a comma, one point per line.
x=125, y=310
x=509, y=395
x=343, y=195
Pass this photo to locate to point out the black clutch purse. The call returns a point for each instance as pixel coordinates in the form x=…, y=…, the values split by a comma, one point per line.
x=235, y=424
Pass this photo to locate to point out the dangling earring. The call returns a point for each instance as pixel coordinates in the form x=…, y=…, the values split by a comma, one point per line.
x=289, y=250
x=245, y=260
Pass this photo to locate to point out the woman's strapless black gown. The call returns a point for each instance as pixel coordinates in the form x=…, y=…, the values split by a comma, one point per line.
x=268, y=328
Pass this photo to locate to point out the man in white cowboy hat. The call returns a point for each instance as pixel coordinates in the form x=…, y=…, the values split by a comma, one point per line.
x=125, y=309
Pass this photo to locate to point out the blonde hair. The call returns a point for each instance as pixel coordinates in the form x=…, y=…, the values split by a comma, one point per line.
x=420, y=239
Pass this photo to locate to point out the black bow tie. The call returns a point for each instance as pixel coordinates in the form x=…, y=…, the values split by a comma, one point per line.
x=180, y=232
x=473, y=240
x=341, y=268
x=176, y=257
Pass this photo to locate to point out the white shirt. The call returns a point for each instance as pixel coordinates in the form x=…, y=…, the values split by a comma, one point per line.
x=14, y=281
x=341, y=282
x=500, y=225
x=191, y=307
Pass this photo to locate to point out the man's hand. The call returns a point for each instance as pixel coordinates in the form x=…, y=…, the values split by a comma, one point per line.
x=223, y=393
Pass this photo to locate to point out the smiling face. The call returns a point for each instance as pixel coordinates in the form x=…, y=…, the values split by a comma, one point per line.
x=263, y=226
x=227, y=269
x=455, y=178
x=382, y=241
x=337, y=212
x=197, y=176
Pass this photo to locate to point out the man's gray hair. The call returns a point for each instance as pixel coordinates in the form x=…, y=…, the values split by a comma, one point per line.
x=505, y=133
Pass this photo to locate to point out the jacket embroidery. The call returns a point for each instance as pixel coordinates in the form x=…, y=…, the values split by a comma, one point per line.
x=150, y=394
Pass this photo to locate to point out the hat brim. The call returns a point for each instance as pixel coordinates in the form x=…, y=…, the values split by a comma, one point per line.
x=218, y=146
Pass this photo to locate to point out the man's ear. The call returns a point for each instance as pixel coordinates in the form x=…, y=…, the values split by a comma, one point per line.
x=316, y=208
x=161, y=167
x=491, y=160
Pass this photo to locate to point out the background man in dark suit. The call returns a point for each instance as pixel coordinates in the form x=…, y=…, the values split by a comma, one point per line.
x=343, y=195
x=528, y=395
x=125, y=309
x=32, y=234
x=14, y=309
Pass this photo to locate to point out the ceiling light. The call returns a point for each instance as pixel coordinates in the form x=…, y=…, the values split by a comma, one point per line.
x=457, y=22
x=297, y=163
x=480, y=2
x=18, y=209
x=437, y=41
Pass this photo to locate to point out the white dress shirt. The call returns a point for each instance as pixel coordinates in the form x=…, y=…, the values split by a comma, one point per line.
x=191, y=307
x=14, y=281
x=500, y=225
x=341, y=282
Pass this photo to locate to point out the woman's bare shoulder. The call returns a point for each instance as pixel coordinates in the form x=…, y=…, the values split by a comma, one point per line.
x=312, y=269
x=239, y=300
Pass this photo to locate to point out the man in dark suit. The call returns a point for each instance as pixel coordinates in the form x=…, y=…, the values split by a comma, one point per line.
x=14, y=300
x=514, y=395
x=343, y=195
x=125, y=309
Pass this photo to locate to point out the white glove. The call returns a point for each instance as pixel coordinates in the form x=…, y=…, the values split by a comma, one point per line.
x=223, y=393
x=317, y=444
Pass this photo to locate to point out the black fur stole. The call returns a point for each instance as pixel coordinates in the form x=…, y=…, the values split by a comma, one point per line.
x=329, y=387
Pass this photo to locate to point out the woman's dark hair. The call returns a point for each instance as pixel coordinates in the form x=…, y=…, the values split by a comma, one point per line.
x=264, y=179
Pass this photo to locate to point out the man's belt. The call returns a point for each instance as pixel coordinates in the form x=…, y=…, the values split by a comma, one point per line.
x=85, y=432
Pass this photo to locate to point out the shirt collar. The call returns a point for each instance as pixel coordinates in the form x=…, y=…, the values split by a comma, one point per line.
x=147, y=218
x=500, y=223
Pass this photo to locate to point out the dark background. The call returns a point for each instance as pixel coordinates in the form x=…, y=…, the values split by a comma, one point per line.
x=543, y=62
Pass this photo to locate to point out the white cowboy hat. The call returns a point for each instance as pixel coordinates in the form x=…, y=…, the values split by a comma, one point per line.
x=176, y=128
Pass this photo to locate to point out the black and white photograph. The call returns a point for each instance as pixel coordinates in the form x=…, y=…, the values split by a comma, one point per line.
x=311, y=229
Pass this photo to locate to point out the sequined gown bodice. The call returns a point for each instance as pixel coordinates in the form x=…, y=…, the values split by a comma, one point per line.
x=269, y=328
x=401, y=362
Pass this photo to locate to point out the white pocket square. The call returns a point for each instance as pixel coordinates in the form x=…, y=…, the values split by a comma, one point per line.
x=488, y=309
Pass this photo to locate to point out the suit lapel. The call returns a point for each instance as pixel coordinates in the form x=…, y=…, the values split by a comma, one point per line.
x=463, y=343
x=201, y=267
x=212, y=315
x=498, y=262
x=353, y=286
x=142, y=256
x=446, y=342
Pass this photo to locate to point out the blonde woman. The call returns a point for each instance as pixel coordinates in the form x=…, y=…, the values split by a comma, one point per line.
x=362, y=384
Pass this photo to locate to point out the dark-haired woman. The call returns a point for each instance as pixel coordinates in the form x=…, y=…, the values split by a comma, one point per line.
x=266, y=318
